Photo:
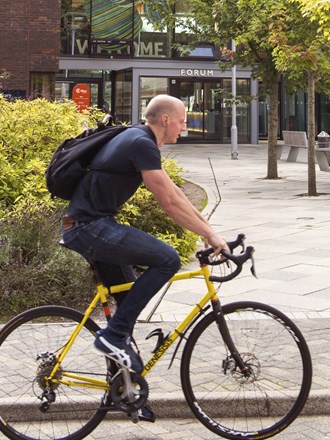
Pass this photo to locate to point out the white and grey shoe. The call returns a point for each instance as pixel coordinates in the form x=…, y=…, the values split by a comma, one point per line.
x=119, y=351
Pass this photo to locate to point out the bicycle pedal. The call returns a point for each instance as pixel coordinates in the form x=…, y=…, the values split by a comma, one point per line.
x=146, y=414
x=134, y=417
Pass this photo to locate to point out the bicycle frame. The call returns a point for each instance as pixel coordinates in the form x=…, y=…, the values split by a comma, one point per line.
x=244, y=345
x=101, y=297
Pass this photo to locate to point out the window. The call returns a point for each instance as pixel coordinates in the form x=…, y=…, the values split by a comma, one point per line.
x=123, y=97
x=150, y=42
x=43, y=85
x=75, y=27
x=123, y=28
x=150, y=87
x=324, y=103
x=294, y=113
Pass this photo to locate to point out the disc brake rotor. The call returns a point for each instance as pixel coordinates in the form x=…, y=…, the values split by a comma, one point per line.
x=45, y=367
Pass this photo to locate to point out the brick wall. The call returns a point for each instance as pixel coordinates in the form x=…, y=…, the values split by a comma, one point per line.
x=30, y=39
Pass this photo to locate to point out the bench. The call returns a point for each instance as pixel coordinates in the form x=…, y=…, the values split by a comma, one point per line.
x=295, y=140
x=323, y=158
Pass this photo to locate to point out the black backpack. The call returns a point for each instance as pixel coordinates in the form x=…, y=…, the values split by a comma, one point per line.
x=73, y=157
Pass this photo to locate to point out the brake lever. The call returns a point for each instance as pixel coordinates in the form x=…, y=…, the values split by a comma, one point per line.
x=240, y=241
x=253, y=268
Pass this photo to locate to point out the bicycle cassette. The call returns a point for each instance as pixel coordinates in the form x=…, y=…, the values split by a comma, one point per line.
x=138, y=390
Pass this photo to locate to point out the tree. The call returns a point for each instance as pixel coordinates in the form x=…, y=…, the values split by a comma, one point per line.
x=247, y=22
x=253, y=25
x=302, y=52
x=317, y=11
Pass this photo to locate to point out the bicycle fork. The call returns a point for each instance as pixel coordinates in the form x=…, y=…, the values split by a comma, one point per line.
x=234, y=357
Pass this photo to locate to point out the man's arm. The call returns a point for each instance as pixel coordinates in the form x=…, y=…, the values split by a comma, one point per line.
x=182, y=195
x=179, y=208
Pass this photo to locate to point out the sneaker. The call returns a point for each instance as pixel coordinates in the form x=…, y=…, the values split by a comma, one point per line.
x=119, y=351
x=146, y=414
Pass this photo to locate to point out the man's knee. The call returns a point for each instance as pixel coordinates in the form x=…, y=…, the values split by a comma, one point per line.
x=172, y=261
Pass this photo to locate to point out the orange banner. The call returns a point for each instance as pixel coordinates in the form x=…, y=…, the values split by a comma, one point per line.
x=81, y=95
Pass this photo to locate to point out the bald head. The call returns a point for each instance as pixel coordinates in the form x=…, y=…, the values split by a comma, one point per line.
x=166, y=117
x=160, y=105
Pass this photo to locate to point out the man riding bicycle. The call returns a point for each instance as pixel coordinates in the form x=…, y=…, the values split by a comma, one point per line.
x=90, y=227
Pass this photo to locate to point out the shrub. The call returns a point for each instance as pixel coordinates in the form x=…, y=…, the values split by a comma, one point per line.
x=34, y=269
x=30, y=132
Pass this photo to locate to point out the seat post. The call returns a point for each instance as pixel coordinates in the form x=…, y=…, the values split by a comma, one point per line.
x=98, y=282
x=96, y=276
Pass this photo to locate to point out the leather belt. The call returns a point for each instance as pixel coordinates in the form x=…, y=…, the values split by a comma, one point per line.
x=68, y=222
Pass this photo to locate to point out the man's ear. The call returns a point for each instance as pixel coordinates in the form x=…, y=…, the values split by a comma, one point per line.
x=165, y=120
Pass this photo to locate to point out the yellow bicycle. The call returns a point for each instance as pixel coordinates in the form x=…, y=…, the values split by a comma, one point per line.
x=245, y=369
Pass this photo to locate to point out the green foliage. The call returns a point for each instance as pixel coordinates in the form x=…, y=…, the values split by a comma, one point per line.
x=245, y=21
x=30, y=132
x=34, y=269
x=317, y=11
x=299, y=49
x=271, y=36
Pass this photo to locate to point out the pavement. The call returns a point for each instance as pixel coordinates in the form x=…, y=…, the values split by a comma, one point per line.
x=290, y=232
x=304, y=428
x=291, y=236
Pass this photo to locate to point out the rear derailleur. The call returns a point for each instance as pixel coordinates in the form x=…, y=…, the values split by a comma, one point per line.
x=45, y=367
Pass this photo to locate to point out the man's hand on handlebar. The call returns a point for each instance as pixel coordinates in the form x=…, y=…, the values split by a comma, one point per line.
x=206, y=257
x=218, y=244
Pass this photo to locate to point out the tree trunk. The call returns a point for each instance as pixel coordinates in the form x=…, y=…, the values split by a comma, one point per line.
x=312, y=191
x=272, y=130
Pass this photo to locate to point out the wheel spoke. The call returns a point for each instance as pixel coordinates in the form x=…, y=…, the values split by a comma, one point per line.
x=264, y=398
x=30, y=405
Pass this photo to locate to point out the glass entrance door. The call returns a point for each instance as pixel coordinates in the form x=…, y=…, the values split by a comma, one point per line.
x=203, y=108
x=192, y=94
x=209, y=116
x=212, y=112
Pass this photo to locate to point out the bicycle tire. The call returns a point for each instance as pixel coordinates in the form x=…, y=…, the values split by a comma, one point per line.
x=227, y=402
x=76, y=411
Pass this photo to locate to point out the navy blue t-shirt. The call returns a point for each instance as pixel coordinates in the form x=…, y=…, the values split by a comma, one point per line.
x=102, y=193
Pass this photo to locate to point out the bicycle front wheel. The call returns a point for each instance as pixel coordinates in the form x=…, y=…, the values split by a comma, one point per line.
x=29, y=344
x=265, y=398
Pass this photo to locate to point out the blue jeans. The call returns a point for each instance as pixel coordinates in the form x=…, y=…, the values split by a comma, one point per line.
x=107, y=241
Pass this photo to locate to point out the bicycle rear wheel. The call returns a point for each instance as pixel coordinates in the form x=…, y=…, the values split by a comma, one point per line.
x=27, y=345
x=270, y=396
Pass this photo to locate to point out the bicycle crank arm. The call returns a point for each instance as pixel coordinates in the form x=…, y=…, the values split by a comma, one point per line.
x=129, y=392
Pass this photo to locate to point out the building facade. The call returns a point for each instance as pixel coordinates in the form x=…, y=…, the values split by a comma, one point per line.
x=30, y=47
x=115, y=49
x=110, y=54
